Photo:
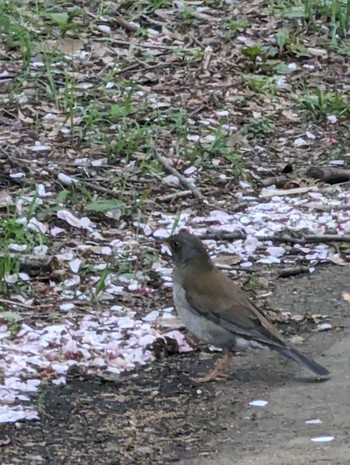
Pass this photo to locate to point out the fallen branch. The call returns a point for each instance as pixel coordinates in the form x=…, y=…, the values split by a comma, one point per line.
x=102, y=190
x=185, y=182
x=308, y=239
x=329, y=174
x=15, y=303
x=29, y=262
x=296, y=190
x=108, y=191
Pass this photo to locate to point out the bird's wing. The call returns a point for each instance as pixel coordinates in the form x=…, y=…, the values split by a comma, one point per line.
x=217, y=298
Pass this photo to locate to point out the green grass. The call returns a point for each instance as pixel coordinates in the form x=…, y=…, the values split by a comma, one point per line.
x=331, y=18
x=321, y=104
x=14, y=232
x=221, y=147
x=65, y=20
x=188, y=15
x=233, y=26
x=266, y=85
x=167, y=101
x=335, y=14
x=16, y=34
x=259, y=127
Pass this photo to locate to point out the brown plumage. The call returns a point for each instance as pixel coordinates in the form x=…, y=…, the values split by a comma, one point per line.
x=217, y=311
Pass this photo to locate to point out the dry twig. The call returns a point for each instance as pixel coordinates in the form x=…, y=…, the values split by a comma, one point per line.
x=15, y=303
x=174, y=196
x=185, y=182
x=125, y=24
x=329, y=174
x=308, y=239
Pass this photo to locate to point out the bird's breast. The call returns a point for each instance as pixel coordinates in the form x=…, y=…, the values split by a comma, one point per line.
x=198, y=324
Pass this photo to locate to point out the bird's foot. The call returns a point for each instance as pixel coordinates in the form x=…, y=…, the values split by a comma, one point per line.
x=210, y=377
x=219, y=373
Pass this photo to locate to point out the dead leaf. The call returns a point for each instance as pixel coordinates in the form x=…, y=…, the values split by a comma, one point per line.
x=67, y=46
x=5, y=441
x=290, y=116
x=99, y=50
x=24, y=118
x=226, y=261
x=5, y=199
x=337, y=260
x=317, y=52
x=317, y=317
x=296, y=339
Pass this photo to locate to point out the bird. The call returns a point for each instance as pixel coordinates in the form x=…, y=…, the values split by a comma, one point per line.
x=218, y=312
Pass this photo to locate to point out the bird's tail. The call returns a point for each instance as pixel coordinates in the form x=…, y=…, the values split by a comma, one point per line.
x=319, y=370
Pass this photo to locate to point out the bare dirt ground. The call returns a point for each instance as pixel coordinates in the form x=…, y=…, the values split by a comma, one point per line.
x=232, y=94
x=158, y=416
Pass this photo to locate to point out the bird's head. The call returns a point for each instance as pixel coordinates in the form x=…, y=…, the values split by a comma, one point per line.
x=187, y=249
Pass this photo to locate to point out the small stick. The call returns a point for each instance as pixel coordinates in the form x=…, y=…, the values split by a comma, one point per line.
x=125, y=24
x=329, y=174
x=17, y=304
x=309, y=239
x=144, y=45
x=173, y=196
x=170, y=169
x=280, y=192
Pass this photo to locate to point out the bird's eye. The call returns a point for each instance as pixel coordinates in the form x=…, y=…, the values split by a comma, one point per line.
x=175, y=245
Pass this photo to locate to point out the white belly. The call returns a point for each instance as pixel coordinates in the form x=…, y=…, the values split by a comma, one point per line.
x=199, y=325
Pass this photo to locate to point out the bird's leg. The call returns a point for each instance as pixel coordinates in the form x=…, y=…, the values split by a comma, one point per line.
x=219, y=371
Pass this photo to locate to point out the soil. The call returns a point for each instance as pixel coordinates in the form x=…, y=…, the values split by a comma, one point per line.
x=240, y=91
x=159, y=416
